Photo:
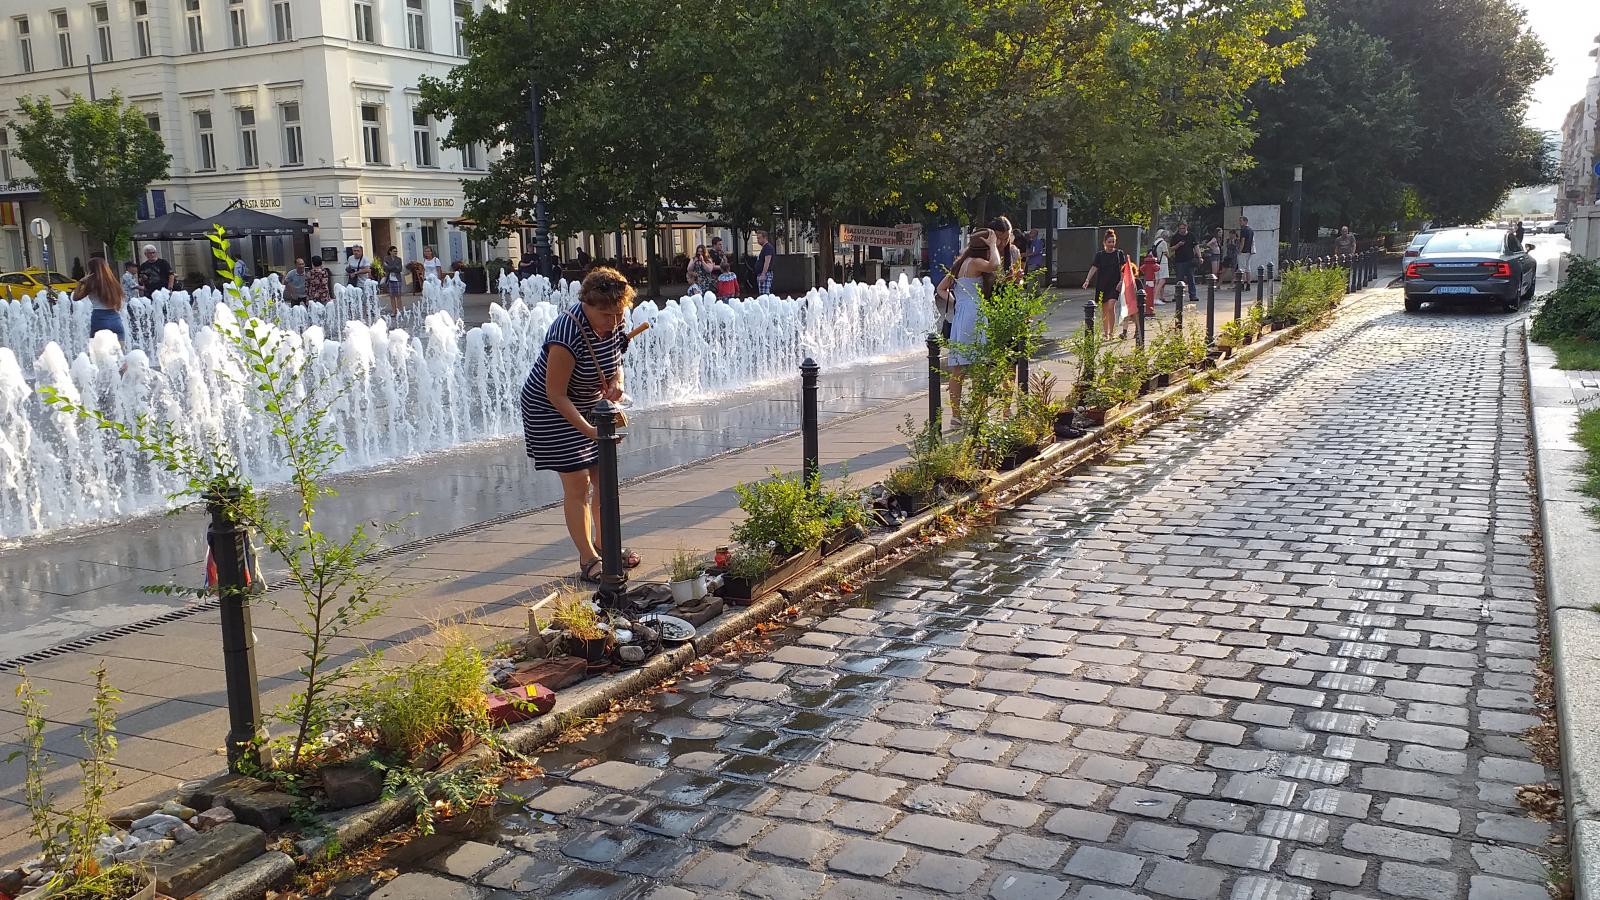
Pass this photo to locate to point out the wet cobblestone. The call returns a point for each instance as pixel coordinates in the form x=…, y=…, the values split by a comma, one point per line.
x=1276, y=649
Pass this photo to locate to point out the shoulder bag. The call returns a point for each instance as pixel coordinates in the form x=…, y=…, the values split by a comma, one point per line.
x=608, y=378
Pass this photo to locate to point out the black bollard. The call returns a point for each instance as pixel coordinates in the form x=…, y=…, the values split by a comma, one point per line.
x=1138, y=328
x=1177, y=311
x=1211, y=290
x=935, y=383
x=1272, y=287
x=1211, y=318
x=1350, y=274
x=227, y=540
x=810, y=440
x=1088, y=315
x=1022, y=365
x=1261, y=286
x=1238, y=289
x=613, y=577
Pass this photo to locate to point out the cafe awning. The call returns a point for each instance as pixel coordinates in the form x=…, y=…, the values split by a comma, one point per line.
x=240, y=221
x=178, y=225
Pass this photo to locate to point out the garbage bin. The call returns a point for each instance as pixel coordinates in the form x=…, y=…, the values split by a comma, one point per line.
x=794, y=273
x=872, y=271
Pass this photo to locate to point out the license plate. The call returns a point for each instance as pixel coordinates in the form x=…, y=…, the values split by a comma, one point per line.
x=1452, y=290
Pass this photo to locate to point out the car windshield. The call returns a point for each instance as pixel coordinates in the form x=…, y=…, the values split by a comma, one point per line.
x=53, y=278
x=1468, y=242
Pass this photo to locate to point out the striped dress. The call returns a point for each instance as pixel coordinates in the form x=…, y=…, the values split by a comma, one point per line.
x=552, y=441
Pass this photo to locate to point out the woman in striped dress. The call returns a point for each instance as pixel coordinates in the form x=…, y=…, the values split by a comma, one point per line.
x=581, y=362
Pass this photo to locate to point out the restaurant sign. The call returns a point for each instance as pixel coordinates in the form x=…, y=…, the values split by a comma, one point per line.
x=879, y=235
x=405, y=201
x=262, y=203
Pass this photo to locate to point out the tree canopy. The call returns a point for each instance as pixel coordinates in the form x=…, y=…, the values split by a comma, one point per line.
x=1404, y=107
x=92, y=160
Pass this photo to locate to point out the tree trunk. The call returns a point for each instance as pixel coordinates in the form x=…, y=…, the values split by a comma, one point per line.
x=825, y=238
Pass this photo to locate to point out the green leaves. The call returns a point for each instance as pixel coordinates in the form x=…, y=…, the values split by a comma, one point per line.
x=92, y=160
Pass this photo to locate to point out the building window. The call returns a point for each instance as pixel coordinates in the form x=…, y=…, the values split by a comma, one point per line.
x=141, y=28
x=422, y=140
x=5, y=156
x=463, y=9
x=24, y=43
x=205, y=143
x=238, y=32
x=102, y=30
x=365, y=31
x=282, y=21
x=63, y=37
x=153, y=121
x=416, y=26
x=372, y=134
x=194, y=26
x=471, y=157
x=294, y=150
x=249, y=150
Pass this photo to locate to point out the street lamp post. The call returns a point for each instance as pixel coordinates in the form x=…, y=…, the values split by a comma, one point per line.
x=1299, y=201
x=541, y=215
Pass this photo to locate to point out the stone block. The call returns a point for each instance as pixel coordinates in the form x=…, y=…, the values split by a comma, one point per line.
x=188, y=867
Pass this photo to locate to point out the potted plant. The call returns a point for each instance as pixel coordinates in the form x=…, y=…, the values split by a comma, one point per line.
x=748, y=569
x=847, y=513
x=686, y=577
x=578, y=618
x=786, y=518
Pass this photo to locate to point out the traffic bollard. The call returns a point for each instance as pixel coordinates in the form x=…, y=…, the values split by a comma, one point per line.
x=1238, y=289
x=810, y=440
x=228, y=540
x=1022, y=365
x=1177, y=311
x=935, y=383
x=1088, y=315
x=1138, y=329
x=1272, y=286
x=1211, y=320
x=613, y=577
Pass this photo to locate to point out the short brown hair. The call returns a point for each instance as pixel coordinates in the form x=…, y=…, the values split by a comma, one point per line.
x=606, y=288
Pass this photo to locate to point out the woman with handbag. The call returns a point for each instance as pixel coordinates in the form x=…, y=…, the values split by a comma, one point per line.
x=580, y=363
x=971, y=276
x=1105, y=276
x=703, y=271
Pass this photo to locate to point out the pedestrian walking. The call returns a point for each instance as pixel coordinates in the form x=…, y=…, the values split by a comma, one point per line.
x=1213, y=251
x=1183, y=259
x=1345, y=243
x=155, y=273
x=580, y=363
x=432, y=265
x=1247, y=247
x=319, y=282
x=294, y=283
x=103, y=289
x=393, y=279
x=357, y=268
x=702, y=272
x=1150, y=270
x=1105, y=277
x=1034, y=260
x=130, y=279
x=764, y=259
x=1162, y=247
x=971, y=276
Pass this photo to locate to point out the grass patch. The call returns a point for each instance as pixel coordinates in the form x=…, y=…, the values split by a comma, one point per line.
x=1576, y=353
x=1589, y=438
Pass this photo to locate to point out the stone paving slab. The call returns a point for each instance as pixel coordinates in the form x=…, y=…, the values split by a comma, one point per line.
x=1572, y=587
x=1281, y=647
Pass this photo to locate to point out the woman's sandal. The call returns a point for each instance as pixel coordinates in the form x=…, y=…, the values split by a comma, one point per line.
x=589, y=572
x=630, y=559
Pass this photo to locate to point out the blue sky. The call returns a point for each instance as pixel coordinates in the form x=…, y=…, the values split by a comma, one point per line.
x=1568, y=29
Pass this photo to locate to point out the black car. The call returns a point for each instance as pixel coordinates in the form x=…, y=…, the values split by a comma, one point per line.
x=1471, y=264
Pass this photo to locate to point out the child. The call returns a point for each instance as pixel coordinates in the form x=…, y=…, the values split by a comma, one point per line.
x=1150, y=268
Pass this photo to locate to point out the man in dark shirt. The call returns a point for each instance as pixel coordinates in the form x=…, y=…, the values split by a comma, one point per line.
x=155, y=273
x=1183, y=259
x=764, y=264
x=1247, y=247
x=718, y=255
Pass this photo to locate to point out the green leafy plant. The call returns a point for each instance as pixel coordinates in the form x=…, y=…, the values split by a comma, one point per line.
x=333, y=593
x=843, y=506
x=1169, y=350
x=1231, y=334
x=684, y=566
x=1307, y=295
x=440, y=796
x=933, y=460
x=410, y=710
x=1086, y=345
x=575, y=615
x=1011, y=326
x=1572, y=310
x=750, y=563
x=67, y=839
x=783, y=513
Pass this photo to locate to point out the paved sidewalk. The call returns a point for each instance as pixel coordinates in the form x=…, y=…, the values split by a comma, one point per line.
x=173, y=717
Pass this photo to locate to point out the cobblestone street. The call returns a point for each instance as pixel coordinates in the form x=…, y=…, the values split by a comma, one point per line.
x=1279, y=648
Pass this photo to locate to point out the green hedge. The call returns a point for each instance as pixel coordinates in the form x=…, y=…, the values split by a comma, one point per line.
x=1573, y=309
x=1306, y=295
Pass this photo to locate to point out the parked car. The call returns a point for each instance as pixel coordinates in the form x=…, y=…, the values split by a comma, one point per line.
x=1560, y=227
x=28, y=282
x=1418, y=241
x=1471, y=264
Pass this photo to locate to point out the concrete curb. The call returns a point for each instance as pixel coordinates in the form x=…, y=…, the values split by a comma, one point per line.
x=349, y=829
x=1572, y=588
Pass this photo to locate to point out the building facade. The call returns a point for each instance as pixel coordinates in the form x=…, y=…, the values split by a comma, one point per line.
x=1580, y=148
x=307, y=109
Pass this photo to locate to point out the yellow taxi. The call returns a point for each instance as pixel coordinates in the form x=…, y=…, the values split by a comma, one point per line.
x=28, y=282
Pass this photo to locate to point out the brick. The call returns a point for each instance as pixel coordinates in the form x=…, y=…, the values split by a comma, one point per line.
x=1313, y=865
x=941, y=834
x=1392, y=842
x=944, y=873
x=867, y=858
x=1097, y=864
x=993, y=779
x=1413, y=814
x=1404, y=880
x=1035, y=853
x=1245, y=851
x=1171, y=878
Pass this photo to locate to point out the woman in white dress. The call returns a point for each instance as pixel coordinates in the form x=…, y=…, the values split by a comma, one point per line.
x=971, y=276
x=1159, y=248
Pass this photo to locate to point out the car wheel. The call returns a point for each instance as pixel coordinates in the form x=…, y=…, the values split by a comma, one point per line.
x=1413, y=304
